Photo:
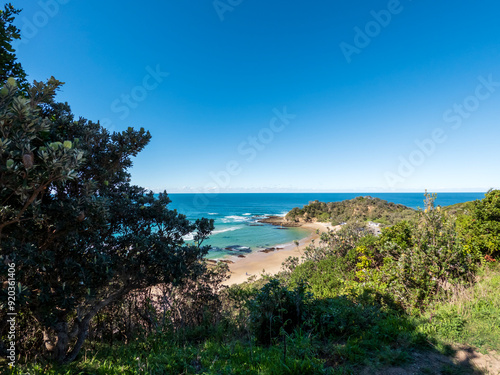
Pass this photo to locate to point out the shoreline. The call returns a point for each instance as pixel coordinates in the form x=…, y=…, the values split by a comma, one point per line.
x=254, y=264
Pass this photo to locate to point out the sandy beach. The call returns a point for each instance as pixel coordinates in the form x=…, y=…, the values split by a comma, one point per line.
x=270, y=263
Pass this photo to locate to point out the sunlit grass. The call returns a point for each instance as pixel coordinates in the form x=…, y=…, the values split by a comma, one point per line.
x=469, y=316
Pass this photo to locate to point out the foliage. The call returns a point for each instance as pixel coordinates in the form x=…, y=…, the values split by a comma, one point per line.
x=420, y=267
x=458, y=209
x=400, y=235
x=276, y=309
x=413, y=261
x=336, y=242
x=326, y=278
x=341, y=314
x=81, y=236
x=481, y=229
x=357, y=209
x=9, y=67
x=194, y=306
x=31, y=160
x=196, y=303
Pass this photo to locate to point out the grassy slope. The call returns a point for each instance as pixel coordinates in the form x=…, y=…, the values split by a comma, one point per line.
x=357, y=335
x=469, y=316
x=362, y=337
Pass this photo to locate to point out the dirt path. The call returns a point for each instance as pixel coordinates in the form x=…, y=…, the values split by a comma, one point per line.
x=465, y=361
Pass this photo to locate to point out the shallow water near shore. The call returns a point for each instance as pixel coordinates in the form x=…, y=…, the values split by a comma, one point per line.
x=236, y=215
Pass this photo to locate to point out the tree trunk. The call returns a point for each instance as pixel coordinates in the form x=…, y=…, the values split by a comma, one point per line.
x=84, y=324
x=83, y=331
x=58, y=348
x=62, y=343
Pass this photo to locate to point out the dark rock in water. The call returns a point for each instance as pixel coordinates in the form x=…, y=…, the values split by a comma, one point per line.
x=226, y=261
x=279, y=248
x=255, y=225
x=241, y=256
x=281, y=228
x=241, y=249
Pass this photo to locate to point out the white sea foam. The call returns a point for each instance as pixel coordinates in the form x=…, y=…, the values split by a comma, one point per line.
x=237, y=248
x=190, y=236
x=242, y=248
x=260, y=216
x=230, y=229
x=234, y=219
x=247, y=214
x=213, y=213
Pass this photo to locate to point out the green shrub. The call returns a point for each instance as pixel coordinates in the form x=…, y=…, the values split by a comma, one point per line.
x=276, y=309
x=481, y=229
x=325, y=278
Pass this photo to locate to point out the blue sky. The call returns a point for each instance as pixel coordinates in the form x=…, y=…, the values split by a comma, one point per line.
x=283, y=96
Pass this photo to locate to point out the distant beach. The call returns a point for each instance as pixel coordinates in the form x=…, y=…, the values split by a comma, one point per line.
x=255, y=263
x=239, y=230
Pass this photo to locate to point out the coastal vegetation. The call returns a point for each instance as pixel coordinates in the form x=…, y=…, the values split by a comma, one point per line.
x=410, y=298
x=358, y=209
x=105, y=284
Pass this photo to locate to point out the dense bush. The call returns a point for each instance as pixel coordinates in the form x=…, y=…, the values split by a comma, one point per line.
x=325, y=278
x=412, y=261
x=276, y=310
x=336, y=242
x=194, y=306
x=481, y=229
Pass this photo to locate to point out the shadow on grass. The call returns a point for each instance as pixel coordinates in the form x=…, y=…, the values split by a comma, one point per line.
x=364, y=334
x=371, y=334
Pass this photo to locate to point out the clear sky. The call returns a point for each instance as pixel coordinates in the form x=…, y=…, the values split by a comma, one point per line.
x=259, y=95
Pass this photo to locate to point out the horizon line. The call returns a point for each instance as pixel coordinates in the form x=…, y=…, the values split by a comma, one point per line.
x=325, y=192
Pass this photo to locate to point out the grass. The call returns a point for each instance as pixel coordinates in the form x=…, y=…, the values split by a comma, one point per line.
x=469, y=316
x=160, y=355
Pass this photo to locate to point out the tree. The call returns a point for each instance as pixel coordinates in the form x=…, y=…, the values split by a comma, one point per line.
x=8, y=33
x=80, y=235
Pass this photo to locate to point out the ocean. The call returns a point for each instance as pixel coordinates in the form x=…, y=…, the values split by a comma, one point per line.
x=236, y=215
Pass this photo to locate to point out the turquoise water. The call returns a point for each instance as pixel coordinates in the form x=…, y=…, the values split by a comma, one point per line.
x=236, y=215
